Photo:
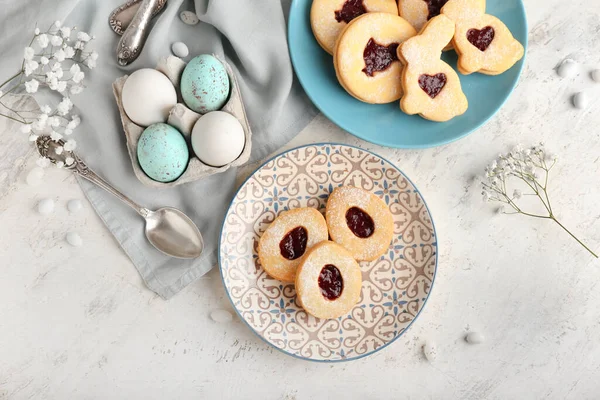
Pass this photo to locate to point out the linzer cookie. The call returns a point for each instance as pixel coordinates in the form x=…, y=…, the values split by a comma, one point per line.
x=365, y=57
x=418, y=12
x=483, y=43
x=287, y=239
x=431, y=87
x=329, y=17
x=359, y=221
x=328, y=282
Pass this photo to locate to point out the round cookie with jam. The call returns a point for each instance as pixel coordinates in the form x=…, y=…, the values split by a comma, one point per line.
x=359, y=221
x=328, y=281
x=365, y=59
x=329, y=17
x=287, y=239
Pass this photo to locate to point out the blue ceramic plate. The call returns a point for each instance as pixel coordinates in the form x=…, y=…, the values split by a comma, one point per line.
x=385, y=124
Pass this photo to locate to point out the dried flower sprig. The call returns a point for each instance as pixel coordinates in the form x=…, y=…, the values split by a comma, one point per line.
x=531, y=166
x=55, y=59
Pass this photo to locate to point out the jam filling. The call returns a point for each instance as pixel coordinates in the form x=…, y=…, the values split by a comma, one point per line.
x=331, y=282
x=350, y=10
x=481, y=38
x=360, y=223
x=434, y=7
x=293, y=244
x=432, y=84
x=377, y=57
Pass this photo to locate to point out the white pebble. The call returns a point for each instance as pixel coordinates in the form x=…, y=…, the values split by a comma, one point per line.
x=430, y=351
x=222, y=316
x=580, y=100
x=474, y=338
x=74, y=239
x=180, y=49
x=189, y=18
x=74, y=205
x=45, y=206
x=34, y=177
x=596, y=75
x=567, y=68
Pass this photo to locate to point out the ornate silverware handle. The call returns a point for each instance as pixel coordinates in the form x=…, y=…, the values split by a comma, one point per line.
x=135, y=35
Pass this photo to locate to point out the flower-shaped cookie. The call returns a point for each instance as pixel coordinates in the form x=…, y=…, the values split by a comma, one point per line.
x=329, y=17
x=483, y=43
x=431, y=87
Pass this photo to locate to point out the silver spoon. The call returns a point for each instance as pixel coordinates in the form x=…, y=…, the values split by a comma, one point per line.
x=168, y=229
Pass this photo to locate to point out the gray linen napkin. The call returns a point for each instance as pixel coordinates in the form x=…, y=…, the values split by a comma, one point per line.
x=251, y=35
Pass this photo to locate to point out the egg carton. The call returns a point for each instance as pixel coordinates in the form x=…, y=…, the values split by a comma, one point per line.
x=182, y=118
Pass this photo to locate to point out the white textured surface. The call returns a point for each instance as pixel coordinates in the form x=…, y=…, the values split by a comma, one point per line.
x=79, y=323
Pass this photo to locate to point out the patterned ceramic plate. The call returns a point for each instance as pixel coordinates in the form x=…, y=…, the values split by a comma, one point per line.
x=395, y=287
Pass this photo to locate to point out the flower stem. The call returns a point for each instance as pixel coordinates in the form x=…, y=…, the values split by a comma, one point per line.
x=573, y=236
x=14, y=119
x=11, y=78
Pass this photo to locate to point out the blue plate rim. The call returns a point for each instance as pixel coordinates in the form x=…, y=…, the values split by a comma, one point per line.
x=293, y=15
x=432, y=280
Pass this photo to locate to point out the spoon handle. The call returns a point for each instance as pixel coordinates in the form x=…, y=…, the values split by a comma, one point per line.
x=81, y=169
x=134, y=37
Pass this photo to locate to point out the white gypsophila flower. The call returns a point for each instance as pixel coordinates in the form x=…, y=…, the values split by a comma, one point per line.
x=69, y=160
x=70, y=145
x=77, y=74
x=59, y=73
x=62, y=86
x=59, y=164
x=28, y=53
x=56, y=66
x=58, y=150
x=43, y=41
x=59, y=55
x=94, y=55
x=57, y=24
x=46, y=109
x=69, y=52
x=54, y=121
x=32, y=86
x=486, y=195
x=517, y=194
x=76, y=89
x=74, y=122
x=56, y=40
x=36, y=31
x=52, y=83
x=44, y=60
x=33, y=137
x=91, y=64
x=65, y=31
x=26, y=128
x=43, y=162
x=79, y=45
x=55, y=136
x=30, y=67
x=64, y=106
x=84, y=37
x=41, y=121
x=68, y=131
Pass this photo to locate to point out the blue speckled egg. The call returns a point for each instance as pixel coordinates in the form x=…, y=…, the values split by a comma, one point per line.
x=205, y=84
x=162, y=152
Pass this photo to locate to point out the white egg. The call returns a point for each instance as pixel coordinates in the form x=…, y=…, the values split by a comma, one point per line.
x=74, y=239
x=221, y=316
x=218, y=138
x=596, y=75
x=148, y=96
x=474, y=338
x=580, y=100
x=45, y=206
x=74, y=205
x=567, y=68
x=189, y=17
x=430, y=351
x=180, y=49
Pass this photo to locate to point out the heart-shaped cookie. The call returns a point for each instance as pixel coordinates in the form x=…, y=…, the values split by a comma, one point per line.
x=483, y=43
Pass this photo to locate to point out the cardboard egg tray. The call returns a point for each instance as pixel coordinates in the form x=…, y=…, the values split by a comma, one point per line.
x=184, y=119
